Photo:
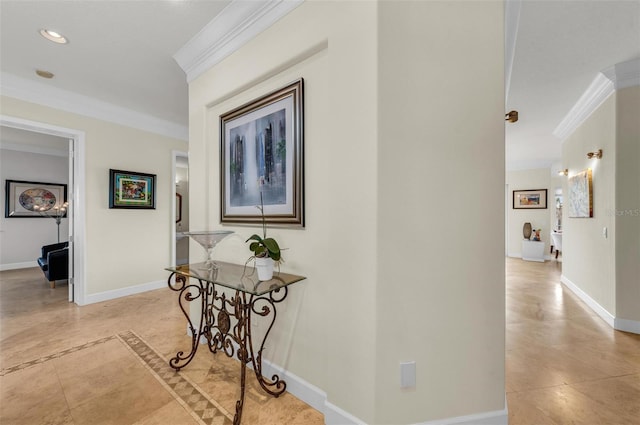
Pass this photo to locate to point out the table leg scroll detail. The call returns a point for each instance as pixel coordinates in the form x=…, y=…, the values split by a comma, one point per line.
x=186, y=295
x=263, y=306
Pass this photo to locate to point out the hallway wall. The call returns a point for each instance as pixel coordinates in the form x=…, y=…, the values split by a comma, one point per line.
x=124, y=248
x=383, y=283
x=539, y=218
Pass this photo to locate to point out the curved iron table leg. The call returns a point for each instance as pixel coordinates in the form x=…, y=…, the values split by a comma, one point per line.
x=181, y=359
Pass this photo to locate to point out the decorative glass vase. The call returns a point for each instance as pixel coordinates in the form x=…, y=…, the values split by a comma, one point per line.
x=208, y=239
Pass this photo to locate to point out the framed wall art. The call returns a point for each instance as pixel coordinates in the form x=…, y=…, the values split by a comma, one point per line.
x=581, y=195
x=129, y=189
x=261, y=152
x=530, y=199
x=178, y=208
x=33, y=199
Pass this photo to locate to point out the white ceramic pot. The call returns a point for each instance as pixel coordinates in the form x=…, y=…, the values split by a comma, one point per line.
x=264, y=266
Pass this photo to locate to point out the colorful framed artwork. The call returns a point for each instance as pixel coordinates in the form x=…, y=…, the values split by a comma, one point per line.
x=33, y=199
x=128, y=189
x=581, y=195
x=261, y=153
x=530, y=199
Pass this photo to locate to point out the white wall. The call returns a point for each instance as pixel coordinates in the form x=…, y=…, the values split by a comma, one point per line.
x=368, y=220
x=588, y=258
x=22, y=238
x=124, y=248
x=441, y=282
x=627, y=211
x=539, y=218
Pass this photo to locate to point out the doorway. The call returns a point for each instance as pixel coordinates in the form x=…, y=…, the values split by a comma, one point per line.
x=75, y=197
x=181, y=208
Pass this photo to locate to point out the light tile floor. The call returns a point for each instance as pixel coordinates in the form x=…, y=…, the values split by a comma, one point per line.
x=565, y=365
x=106, y=363
x=61, y=364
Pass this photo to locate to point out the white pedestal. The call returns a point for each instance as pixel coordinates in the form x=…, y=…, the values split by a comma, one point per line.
x=533, y=250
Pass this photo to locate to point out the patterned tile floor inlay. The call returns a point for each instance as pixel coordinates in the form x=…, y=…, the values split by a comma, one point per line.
x=57, y=355
x=205, y=409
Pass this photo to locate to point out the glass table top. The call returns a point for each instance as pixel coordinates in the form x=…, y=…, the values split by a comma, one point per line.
x=236, y=276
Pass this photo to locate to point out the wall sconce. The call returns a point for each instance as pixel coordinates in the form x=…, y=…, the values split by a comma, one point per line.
x=597, y=154
x=564, y=172
x=512, y=116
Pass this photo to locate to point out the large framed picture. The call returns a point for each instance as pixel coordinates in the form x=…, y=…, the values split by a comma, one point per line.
x=129, y=189
x=530, y=199
x=581, y=195
x=261, y=156
x=33, y=199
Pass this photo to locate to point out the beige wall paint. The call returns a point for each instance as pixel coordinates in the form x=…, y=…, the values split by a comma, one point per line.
x=539, y=218
x=588, y=259
x=325, y=331
x=440, y=297
x=627, y=211
x=124, y=247
x=375, y=204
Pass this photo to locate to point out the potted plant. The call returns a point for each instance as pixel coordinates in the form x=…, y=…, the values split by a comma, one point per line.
x=266, y=251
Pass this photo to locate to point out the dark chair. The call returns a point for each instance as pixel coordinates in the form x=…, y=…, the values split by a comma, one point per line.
x=54, y=262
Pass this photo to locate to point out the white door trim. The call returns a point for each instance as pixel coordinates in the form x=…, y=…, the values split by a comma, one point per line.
x=77, y=193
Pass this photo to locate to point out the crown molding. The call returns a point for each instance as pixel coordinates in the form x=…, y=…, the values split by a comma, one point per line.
x=511, y=23
x=23, y=147
x=237, y=24
x=619, y=76
x=599, y=90
x=44, y=94
x=625, y=74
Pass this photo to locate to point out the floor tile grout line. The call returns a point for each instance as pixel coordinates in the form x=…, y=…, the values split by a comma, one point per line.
x=62, y=390
x=184, y=403
x=57, y=355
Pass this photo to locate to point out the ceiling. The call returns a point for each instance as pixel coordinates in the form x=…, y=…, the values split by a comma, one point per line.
x=560, y=48
x=122, y=53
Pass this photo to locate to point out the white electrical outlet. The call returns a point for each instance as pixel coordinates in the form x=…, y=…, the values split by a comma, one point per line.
x=407, y=374
x=604, y=232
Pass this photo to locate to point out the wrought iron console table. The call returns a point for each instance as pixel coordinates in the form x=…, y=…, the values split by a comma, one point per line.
x=251, y=297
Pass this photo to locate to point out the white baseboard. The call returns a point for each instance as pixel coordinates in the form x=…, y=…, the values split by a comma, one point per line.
x=626, y=325
x=597, y=308
x=618, y=323
x=123, y=292
x=14, y=266
x=333, y=415
x=496, y=417
x=297, y=386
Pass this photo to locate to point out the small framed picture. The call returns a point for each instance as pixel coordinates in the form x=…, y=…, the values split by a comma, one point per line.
x=530, y=199
x=129, y=189
x=33, y=199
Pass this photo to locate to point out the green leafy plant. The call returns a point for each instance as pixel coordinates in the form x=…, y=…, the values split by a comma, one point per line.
x=264, y=246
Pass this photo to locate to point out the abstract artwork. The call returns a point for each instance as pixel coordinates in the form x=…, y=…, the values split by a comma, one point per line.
x=580, y=203
x=261, y=146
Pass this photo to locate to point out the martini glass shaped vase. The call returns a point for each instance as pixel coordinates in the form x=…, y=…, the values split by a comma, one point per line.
x=208, y=239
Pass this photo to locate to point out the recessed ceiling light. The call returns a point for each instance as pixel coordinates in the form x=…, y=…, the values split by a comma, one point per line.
x=54, y=36
x=44, y=74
